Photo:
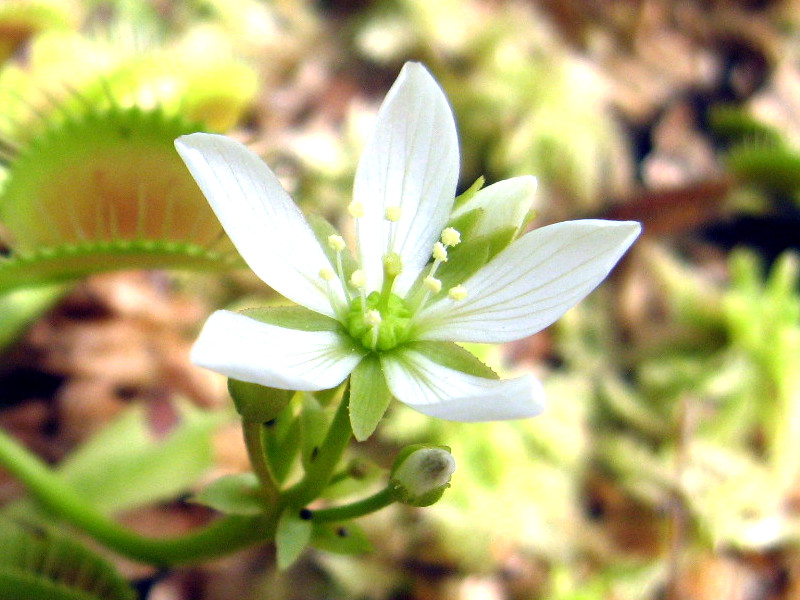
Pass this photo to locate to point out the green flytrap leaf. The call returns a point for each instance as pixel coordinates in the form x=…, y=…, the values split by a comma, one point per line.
x=103, y=191
x=36, y=563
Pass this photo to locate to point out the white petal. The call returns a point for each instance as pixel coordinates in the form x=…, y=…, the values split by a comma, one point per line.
x=439, y=391
x=530, y=284
x=410, y=161
x=263, y=222
x=243, y=348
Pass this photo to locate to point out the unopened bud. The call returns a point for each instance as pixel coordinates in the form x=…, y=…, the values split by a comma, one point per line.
x=421, y=473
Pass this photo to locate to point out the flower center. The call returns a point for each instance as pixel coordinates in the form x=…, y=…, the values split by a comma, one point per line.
x=379, y=322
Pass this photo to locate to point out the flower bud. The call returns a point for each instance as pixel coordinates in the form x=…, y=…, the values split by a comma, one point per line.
x=421, y=473
x=256, y=403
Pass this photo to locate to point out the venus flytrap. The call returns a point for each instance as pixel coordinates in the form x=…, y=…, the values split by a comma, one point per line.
x=390, y=318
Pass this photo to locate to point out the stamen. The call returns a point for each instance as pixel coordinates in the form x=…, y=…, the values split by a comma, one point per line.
x=457, y=293
x=356, y=209
x=451, y=237
x=358, y=279
x=439, y=252
x=336, y=243
x=327, y=274
x=393, y=213
x=432, y=284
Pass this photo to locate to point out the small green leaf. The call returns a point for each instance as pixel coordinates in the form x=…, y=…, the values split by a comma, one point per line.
x=293, y=317
x=237, y=494
x=369, y=397
x=340, y=538
x=291, y=537
x=257, y=403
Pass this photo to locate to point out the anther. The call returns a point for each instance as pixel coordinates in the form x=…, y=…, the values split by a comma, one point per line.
x=439, y=252
x=451, y=237
x=457, y=293
x=392, y=213
x=327, y=274
x=358, y=279
x=336, y=243
x=432, y=284
x=356, y=209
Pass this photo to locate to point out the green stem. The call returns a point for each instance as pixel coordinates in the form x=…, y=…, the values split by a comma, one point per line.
x=363, y=507
x=217, y=539
x=255, y=450
x=320, y=471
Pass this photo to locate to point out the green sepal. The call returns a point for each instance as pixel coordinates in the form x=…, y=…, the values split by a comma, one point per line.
x=322, y=230
x=369, y=397
x=236, y=494
x=257, y=403
x=314, y=425
x=469, y=192
x=453, y=356
x=340, y=538
x=292, y=536
x=292, y=317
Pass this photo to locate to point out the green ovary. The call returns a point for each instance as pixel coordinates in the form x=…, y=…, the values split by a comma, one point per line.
x=394, y=325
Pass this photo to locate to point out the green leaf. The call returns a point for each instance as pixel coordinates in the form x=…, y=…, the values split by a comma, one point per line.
x=257, y=403
x=369, y=397
x=291, y=537
x=37, y=563
x=453, y=356
x=340, y=538
x=293, y=317
x=125, y=465
x=237, y=494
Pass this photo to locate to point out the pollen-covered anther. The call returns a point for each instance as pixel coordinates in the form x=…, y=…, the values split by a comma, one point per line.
x=356, y=209
x=336, y=243
x=451, y=237
x=358, y=279
x=457, y=293
x=393, y=213
x=327, y=274
x=439, y=252
x=432, y=284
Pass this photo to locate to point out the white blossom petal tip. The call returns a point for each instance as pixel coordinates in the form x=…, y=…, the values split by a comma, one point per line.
x=263, y=222
x=250, y=350
x=409, y=169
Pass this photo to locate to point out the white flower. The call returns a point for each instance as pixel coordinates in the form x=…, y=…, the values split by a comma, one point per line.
x=389, y=318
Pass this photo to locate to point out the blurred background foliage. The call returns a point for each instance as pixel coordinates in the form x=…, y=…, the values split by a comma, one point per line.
x=667, y=463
